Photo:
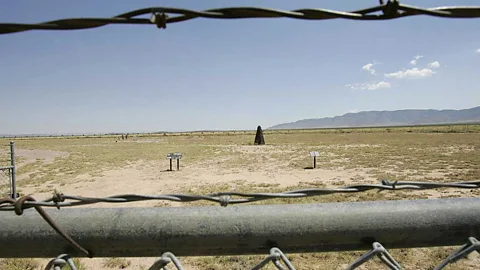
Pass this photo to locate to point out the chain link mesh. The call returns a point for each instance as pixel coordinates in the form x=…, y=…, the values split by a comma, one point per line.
x=5, y=180
x=281, y=262
x=5, y=173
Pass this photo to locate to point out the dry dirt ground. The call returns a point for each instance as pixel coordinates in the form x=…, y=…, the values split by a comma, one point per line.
x=43, y=168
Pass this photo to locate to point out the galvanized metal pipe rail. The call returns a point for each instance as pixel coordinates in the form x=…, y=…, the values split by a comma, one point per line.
x=250, y=229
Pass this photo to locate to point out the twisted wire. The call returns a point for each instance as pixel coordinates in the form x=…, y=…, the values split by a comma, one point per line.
x=162, y=16
x=59, y=200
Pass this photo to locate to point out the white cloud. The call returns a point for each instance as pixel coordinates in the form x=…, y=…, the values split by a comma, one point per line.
x=411, y=73
x=369, y=67
x=435, y=64
x=478, y=51
x=415, y=58
x=369, y=86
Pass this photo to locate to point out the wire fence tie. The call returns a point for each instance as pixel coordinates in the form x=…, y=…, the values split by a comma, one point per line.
x=472, y=245
x=381, y=252
x=162, y=262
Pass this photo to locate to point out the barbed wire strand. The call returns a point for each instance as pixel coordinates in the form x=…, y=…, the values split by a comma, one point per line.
x=161, y=16
x=59, y=200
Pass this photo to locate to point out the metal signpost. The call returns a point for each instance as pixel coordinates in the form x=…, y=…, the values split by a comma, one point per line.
x=172, y=156
x=314, y=155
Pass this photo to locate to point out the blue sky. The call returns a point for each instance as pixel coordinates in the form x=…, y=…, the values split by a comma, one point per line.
x=227, y=74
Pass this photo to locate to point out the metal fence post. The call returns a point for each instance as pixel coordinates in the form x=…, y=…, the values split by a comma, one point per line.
x=13, y=184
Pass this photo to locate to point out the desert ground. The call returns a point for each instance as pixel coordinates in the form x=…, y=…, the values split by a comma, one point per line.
x=228, y=161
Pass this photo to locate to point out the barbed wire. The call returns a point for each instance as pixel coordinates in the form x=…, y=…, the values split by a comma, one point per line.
x=161, y=16
x=59, y=200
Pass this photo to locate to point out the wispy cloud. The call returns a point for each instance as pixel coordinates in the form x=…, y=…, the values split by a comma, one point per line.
x=428, y=70
x=435, y=64
x=478, y=51
x=415, y=59
x=369, y=86
x=414, y=73
x=369, y=67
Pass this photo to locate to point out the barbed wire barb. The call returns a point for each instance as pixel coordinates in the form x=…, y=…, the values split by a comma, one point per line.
x=472, y=245
x=161, y=16
x=380, y=252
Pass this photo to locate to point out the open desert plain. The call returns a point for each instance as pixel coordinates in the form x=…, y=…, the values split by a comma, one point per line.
x=100, y=166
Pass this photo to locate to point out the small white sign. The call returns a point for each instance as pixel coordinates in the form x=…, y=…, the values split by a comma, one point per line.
x=174, y=155
x=314, y=154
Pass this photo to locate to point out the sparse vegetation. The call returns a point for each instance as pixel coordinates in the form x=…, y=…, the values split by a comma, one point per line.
x=434, y=153
x=78, y=263
x=19, y=264
x=116, y=263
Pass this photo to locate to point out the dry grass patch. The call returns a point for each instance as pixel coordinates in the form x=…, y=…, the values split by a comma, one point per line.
x=116, y=263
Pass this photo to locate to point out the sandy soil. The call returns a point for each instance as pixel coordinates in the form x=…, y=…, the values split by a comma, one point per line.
x=30, y=155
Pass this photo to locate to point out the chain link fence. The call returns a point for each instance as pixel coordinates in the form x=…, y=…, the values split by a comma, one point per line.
x=7, y=171
x=245, y=229
x=241, y=230
x=5, y=180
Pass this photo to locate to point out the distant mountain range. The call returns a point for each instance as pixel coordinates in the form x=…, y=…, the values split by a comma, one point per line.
x=388, y=118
